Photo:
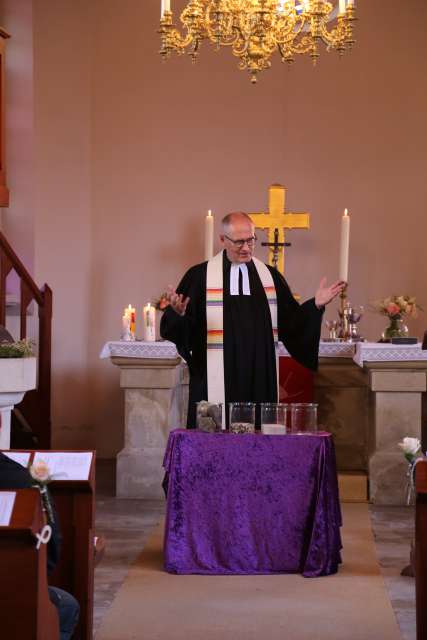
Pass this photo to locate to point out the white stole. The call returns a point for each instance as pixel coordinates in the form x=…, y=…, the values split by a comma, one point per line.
x=215, y=323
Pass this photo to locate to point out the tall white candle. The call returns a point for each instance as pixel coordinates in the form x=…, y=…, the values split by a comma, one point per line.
x=209, y=235
x=149, y=330
x=344, y=246
x=342, y=6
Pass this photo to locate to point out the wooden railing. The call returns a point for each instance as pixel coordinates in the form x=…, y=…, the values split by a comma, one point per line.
x=421, y=548
x=35, y=407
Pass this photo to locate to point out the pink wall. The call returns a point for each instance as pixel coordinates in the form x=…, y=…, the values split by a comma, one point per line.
x=17, y=219
x=132, y=152
x=62, y=235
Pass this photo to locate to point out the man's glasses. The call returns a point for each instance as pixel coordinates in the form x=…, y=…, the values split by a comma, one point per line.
x=240, y=243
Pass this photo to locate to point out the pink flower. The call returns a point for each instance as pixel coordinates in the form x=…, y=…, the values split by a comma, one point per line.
x=392, y=309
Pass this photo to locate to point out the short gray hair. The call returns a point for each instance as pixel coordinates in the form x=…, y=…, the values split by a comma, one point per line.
x=232, y=217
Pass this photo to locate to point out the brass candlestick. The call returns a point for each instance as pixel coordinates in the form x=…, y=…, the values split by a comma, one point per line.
x=349, y=318
x=344, y=333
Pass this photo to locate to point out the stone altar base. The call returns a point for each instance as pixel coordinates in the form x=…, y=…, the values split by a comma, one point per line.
x=155, y=403
x=368, y=409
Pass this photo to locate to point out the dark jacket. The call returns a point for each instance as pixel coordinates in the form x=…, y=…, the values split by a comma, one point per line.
x=15, y=476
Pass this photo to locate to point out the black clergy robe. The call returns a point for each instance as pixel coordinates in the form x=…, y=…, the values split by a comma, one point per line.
x=249, y=352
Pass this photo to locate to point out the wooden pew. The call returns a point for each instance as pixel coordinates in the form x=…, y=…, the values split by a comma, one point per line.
x=25, y=608
x=421, y=549
x=75, y=505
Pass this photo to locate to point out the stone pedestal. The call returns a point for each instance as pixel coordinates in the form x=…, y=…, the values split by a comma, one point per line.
x=17, y=376
x=156, y=395
x=397, y=412
x=342, y=391
x=370, y=411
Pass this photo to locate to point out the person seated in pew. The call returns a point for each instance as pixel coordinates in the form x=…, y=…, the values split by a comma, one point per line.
x=15, y=476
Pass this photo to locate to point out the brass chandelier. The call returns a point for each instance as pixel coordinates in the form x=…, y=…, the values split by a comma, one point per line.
x=255, y=29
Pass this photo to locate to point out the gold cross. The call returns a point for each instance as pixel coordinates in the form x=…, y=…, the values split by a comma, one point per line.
x=276, y=218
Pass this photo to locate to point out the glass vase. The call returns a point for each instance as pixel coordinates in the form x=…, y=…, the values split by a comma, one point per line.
x=396, y=329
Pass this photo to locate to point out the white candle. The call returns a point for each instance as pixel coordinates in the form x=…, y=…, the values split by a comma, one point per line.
x=342, y=7
x=129, y=312
x=149, y=315
x=271, y=429
x=344, y=246
x=165, y=6
x=126, y=334
x=209, y=230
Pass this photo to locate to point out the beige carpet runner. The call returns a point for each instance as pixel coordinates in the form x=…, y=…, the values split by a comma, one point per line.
x=353, y=605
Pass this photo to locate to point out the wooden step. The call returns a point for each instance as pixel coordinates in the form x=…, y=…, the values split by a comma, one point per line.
x=353, y=486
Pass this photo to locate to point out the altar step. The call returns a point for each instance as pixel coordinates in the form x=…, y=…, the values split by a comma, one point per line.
x=353, y=486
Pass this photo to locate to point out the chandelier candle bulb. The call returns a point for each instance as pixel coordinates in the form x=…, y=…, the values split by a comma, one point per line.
x=149, y=316
x=209, y=235
x=165, y=6
x=342, y=6
x=344, y=247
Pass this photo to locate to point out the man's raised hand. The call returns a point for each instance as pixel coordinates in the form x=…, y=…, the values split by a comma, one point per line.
x=325, y=294
x=177, y=301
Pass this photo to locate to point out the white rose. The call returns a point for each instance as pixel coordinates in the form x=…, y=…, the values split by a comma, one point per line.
x=40, y=471
x=410, y=446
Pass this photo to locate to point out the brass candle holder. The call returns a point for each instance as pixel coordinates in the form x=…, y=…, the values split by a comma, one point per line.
x=349, y=317
x=344, y=333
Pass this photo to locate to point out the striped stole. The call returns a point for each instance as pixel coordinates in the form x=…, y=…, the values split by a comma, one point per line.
x=215, y=322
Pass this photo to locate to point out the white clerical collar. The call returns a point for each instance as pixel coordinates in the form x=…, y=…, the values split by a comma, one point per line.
x=237, y=267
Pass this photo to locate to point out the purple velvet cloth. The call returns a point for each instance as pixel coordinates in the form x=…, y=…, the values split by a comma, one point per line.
x=248, y=504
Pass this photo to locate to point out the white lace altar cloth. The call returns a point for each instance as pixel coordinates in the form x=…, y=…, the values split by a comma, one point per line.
x=327, y=349
x=360, y=352
x=139, y=349
x=380, y=352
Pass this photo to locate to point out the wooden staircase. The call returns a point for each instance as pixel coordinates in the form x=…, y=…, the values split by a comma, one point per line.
x=34, y=411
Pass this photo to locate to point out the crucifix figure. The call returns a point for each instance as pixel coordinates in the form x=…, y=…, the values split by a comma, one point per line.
x=276, y=221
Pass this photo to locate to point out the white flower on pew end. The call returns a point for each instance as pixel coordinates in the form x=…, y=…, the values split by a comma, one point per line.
x=411, y=448
x=40, y=472
x=41, y=475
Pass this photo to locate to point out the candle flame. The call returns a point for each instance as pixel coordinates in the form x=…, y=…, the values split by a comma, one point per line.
x=149, y=304
x=129, y=307
x=209, y=212
x=345, y=212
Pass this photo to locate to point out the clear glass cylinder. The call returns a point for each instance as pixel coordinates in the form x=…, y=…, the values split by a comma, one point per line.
x=242, y=417
x=274, y=418
x=304, y=417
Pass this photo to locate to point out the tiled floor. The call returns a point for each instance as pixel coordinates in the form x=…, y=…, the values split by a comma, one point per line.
x=126, y=525
x=393, y=531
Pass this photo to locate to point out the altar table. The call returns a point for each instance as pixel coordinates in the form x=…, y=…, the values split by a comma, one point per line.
x=251, y=504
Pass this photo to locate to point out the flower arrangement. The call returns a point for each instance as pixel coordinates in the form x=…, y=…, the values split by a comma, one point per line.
x=411, y=448
x=162, y=302
x=19, y=349
x=397, y=306
x=41, y=476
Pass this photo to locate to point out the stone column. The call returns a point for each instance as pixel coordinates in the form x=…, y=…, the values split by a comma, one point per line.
x=341, y=389
x=156, y=392
x=396, y=390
